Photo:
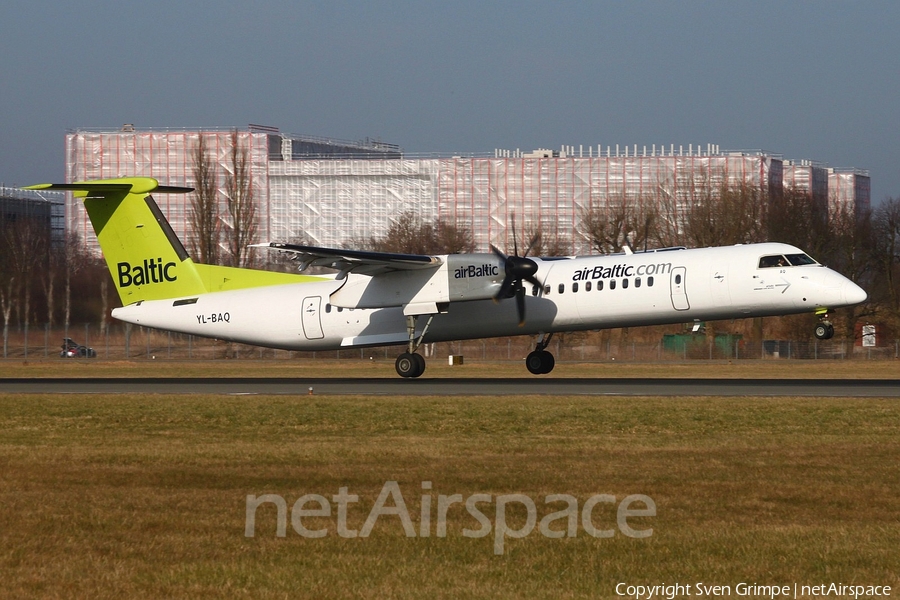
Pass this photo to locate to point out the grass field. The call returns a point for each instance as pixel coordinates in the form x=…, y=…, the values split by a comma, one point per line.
x=145, y=496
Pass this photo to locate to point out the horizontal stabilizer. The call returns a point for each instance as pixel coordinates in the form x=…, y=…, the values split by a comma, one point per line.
x=132, y=185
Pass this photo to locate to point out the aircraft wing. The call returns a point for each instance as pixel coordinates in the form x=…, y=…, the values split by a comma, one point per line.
x=357, y=261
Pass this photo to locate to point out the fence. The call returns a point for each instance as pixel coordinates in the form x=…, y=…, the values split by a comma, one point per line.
x=127, y=342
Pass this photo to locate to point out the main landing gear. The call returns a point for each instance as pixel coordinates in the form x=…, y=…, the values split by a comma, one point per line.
x=410, y=364
x=824, y=329
x=539, y=361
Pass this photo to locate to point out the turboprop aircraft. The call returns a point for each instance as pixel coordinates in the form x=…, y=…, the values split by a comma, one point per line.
x=377, y=299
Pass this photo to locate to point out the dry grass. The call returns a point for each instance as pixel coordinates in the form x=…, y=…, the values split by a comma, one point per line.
x=144, y=497
x=438, y=367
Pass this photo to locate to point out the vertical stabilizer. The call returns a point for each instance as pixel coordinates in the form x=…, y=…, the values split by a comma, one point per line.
x=146, y=259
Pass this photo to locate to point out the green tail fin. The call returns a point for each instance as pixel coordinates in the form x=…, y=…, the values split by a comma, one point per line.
x=146, y=259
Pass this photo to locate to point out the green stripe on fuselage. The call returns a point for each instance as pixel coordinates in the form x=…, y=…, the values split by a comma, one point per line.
x=220, y=279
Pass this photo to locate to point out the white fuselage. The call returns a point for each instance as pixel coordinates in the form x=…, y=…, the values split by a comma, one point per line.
x=593, y=292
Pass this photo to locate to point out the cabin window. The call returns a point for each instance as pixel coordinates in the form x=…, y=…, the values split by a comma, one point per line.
x=562, y=288
x=599, y=285
x=546, y=289
x=534, y=290
x=624, y=284
x=340, y=309
x=587, y=286
x=777, y=260
x=678, y=279
x=612, y=284
x=637, y=282
x=650, y=281
x=328, y=308
x=574, y=287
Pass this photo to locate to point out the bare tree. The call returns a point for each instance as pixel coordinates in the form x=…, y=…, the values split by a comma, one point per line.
x=54, y=268
x=410, y=234
x=725, y=215
x=669, y=229
x=621, y=221
x=77, y=260
x=544, y=239
x=849, y=250
x=450, y=238
x=886, y=236
x=6, y=303
x=793, y=217
x=241, y=204
x=26, y=242
x=206, y=230
x=7, y=281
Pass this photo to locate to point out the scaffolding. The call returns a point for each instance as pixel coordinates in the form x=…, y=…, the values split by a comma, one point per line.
x=849, y=188
x=166, y=155
x=810, y=178
x=335, y=194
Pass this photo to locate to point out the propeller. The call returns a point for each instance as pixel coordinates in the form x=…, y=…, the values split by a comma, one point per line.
x=517, y=269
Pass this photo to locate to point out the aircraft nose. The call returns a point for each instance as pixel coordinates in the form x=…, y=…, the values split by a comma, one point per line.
x=853, y=294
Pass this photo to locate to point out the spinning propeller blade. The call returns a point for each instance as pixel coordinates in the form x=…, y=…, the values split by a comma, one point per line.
x=517, y=269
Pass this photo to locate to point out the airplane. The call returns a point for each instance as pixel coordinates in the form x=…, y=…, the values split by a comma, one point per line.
x=378, y=299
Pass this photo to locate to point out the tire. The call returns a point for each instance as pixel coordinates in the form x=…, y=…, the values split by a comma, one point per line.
x=540, y=362
x=821, y=331
x=549, y=362
x=420, y=362
x=410, y=365
x=534, y=362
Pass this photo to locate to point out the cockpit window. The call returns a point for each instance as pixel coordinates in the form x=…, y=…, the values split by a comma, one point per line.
x=780, y=260
x=799, y=260
x=776, y=260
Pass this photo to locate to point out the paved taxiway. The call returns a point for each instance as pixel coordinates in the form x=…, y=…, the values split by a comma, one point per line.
x=852, y=388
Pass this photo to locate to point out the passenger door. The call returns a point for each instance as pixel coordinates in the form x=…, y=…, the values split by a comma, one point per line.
x=312, y=318
x=679, y=288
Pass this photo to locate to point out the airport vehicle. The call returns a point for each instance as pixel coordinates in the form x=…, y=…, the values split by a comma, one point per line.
x=72, y=349
x=377, y=299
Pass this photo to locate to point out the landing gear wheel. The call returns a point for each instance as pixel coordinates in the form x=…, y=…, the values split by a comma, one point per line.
x=549, y=362
x=410, y=365
x=540, y=362
x=420, y=362
x=824, y=331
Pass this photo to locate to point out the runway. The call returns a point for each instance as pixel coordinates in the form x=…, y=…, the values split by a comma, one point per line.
x=540, y=386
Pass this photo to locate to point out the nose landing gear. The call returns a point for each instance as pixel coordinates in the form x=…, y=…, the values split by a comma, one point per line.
x=824, y=329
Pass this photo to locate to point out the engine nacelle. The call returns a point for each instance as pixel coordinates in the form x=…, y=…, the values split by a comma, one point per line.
x=461, y=277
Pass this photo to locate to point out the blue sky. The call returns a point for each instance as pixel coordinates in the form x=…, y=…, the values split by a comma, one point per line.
x=809, y=80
